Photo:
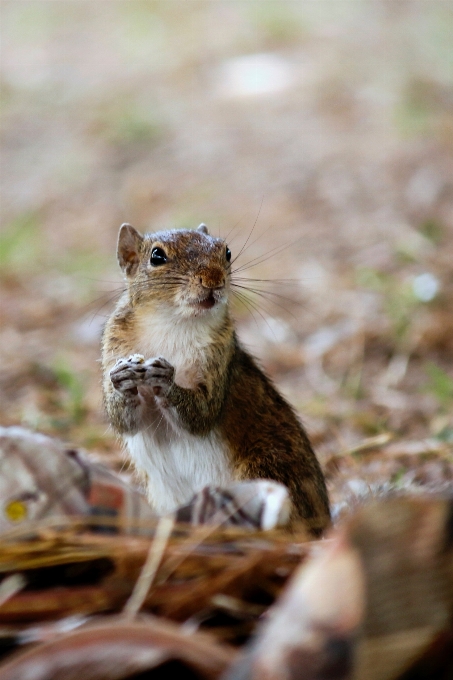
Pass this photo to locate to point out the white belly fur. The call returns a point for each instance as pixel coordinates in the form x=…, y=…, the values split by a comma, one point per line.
x=182, y=342
x=177, y=464
x=179, y=467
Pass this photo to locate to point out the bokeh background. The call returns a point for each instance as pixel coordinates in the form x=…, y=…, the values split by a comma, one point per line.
x=318, y=132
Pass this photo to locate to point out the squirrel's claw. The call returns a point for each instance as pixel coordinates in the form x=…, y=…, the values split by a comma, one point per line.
x=131, y=373
x=159, y=375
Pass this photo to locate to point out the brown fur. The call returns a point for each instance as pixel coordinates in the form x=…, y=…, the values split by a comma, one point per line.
x=227, y=392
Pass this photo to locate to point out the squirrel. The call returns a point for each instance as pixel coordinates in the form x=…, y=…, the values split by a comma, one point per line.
x=191, y=404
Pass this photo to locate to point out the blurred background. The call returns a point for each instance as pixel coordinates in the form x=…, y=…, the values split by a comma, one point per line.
x=319, y=132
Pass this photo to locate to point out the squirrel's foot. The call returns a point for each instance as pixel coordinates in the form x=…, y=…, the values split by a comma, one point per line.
x=159, y=375
x=128, y=374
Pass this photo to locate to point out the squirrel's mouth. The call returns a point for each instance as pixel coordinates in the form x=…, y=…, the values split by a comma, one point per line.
x=207, y=302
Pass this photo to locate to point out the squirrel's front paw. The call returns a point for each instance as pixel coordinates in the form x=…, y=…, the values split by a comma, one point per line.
x=128, y=374
x=159, y=375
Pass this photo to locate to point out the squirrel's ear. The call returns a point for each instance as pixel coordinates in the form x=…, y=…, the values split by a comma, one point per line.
x=129, y=247
x=203, y=228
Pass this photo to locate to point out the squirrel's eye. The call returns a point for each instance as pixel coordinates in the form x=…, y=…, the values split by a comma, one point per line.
x=158, y=257
x=228, y=254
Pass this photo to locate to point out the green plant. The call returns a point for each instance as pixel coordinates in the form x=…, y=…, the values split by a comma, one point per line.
x=440, y=385
x=433, y=230
x=20, y=245
x=73, y=386
x=398, y=300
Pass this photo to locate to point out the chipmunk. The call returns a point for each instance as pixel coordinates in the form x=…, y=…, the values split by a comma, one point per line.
x=191, y=404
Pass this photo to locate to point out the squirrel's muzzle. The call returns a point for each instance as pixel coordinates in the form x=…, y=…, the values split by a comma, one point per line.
x=212, y=278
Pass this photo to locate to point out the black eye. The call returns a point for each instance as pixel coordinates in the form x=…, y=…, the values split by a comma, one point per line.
x=228, y=254
x=158, y=257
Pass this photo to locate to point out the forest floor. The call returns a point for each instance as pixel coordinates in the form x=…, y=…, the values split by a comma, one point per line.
x=318, y=134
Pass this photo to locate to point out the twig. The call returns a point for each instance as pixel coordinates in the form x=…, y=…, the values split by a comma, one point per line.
x=369, y=444
x=10, y=586
x=149, y=570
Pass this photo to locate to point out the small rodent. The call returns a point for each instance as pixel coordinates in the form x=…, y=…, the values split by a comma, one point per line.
x=190, y=402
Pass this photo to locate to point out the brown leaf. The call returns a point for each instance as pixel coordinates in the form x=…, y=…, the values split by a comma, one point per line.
x=113, y=649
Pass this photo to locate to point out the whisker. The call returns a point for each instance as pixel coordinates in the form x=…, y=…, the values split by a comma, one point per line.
x=251, y=232
x=110, y=293
x=282, y=282
x=264, y=291
x=145, y=285
x=263, y=295
x=136, y=287
x=250, y=302
x=247, y=302
x=260, y=291
x=260, y=236
x=247, y=305
x=152, y=283
x=231, y=231
x=153, y=423
x=112, y=297
x=90, y=278
x=265, y=256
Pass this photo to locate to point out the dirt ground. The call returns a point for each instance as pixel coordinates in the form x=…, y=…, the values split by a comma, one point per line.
x=320, y=134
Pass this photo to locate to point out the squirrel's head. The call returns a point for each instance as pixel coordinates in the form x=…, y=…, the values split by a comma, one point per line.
x=186, y=269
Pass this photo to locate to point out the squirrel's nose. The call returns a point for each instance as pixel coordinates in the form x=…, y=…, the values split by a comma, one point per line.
x=212, y=279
